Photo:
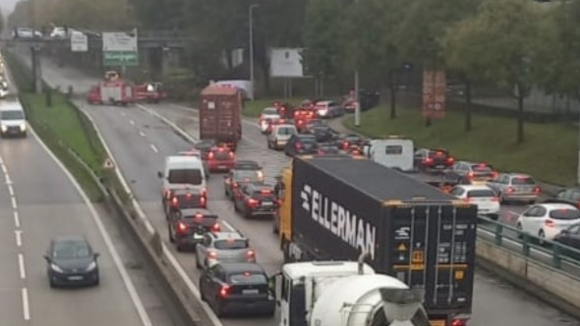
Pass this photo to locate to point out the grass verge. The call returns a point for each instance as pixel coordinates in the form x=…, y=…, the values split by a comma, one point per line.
x=549, y=152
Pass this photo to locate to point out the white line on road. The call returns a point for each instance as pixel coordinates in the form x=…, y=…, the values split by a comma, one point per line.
x=18, y=234
x=25, y=305
x=153, y=148
x=11, y=190
x=142, y=134
x=14, y=205
x=7, y=178
x=1, y=161
x=16, y=219
x=21, y=266
x=228, y=226
x=132, y=122
x=123, y=114
x=4, y=169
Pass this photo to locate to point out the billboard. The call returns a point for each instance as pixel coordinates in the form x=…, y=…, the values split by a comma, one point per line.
x=434, y=89
x=286, y=62
x=79, y=42
x=120, y=49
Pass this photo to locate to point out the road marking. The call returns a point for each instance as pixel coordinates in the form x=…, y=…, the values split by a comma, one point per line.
x=18, y=234
x=16, y=219
x=4, y=169
x=25, y=304
x=123, y=114
x=137, y=303
x=11, y=190
x=142, y=134
x=153, y=148
x=13, y=199
x=228, y=226
x=166, y=121
x=21, y=266
x=8, y=180
x=132, y=122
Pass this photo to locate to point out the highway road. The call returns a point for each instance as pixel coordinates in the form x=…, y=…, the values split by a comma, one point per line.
x=139, y=140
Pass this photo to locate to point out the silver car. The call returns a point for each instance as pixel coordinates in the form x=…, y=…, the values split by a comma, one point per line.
x=515, y=187
x=223, y=247
x=280, y=135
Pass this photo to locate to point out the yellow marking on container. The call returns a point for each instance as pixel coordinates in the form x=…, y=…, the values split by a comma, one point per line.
x=422, y=266
x=459, y=275
x=402, y=247
x=418, y=257
x=437, y=322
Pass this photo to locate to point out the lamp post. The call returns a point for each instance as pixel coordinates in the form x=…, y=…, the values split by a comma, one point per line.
x=251, y=46
x=356, y=97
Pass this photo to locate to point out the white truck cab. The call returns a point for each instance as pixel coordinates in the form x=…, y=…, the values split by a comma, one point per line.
x=182, y=172
x=394, y=152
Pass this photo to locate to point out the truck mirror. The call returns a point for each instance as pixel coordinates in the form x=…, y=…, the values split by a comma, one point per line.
x=160, y=174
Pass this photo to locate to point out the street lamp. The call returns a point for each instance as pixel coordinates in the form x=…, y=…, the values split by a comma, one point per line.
x=356, y=99
x=251, y=45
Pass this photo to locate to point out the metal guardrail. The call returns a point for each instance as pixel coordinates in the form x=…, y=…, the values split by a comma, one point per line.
x=546, y=252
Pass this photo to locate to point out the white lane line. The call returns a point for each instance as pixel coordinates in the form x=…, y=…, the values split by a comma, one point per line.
x=18, y=234
x=154, y=149
x=123, y=114
x=14, y=204
x=16, y=219
x=4, y=170
x=1, y=161
x=142, y=134
x=228, y=226
x=8, y=180
x=21, y=266
x=25, y=304
x=137, y=303
x=11, y=190
x=132, y=122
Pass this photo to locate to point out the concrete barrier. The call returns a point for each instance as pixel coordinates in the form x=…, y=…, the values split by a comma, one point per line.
x=551, y=285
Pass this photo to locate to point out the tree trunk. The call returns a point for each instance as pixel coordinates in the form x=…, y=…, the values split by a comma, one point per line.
x=393, y=95
x=428, y=122
x=520, y=119
x=468, y=106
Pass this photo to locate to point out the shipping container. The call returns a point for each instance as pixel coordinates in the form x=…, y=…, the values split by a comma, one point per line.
x=220, y=114
x=341, y=206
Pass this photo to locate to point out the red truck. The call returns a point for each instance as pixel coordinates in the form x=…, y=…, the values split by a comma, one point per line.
x=220, y=110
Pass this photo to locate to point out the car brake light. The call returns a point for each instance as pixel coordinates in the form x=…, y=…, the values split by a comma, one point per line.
x=235, y=184
x=467, y=200
x=266, y=191
x=537, y=189
x=510, y=189
x=470, y=175
x=182, y=227
x=225, y=290
x=439, y=153
x=174, y=202
x=252, y=202
x=428, y=160
x=549, y=223
x=232, y=155
x=168, y=194
x=459, y=322
x=216, y=227
x=203, y=201
x=345, y=145
x=495, y=199
x=250, y=254
x=212, y=254
x=450, y=160
x=494, y=175
x=188, y=195
x=299, y=145
x=210, y=155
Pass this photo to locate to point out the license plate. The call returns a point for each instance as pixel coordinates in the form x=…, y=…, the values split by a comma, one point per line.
x=75, y=278
x=250, y=291
x=222, y=167
x=267, y=204
x=197, y=236
x=437, y=322
x=440, y=166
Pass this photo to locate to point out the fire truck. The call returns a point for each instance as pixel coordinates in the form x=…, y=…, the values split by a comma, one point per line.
x=112, y=90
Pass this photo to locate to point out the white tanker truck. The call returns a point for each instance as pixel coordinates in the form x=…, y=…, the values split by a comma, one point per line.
x=336, y=293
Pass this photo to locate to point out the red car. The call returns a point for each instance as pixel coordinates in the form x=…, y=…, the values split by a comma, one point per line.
x=220, y=159
x=301, y=118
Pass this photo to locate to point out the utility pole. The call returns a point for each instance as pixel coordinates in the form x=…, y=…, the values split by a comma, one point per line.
x=356, y=96
x=34, y=55
x=251, y=46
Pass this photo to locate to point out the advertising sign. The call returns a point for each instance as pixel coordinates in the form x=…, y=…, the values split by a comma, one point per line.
x=434, y=89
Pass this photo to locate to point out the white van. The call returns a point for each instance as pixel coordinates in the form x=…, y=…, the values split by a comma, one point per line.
x=182, y=173
x=394, y=152
x=12, y=119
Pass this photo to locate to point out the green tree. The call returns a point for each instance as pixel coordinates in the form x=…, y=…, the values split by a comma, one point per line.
x=321, y=32
x=371, y=45
x=503, y=36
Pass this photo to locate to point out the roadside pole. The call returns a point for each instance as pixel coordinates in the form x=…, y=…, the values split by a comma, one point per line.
x=356, y=97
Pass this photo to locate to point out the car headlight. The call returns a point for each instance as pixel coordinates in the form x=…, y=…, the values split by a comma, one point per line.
x=55, y=268
x=91, y=266
x=23, y=127
x=4, y=128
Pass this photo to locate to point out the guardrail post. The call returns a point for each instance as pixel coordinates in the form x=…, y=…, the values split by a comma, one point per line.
x=556, y=258
x=526, y=244
x=498, y=234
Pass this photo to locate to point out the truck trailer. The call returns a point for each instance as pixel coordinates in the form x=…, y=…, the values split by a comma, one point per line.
x=220, y=115
x=336, y=207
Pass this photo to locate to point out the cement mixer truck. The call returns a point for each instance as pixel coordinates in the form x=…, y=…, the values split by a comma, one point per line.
x=344, y=293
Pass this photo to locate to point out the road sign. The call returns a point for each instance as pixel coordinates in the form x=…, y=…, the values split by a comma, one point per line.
x=120, y=49
x=79, y=42
x=108, y=164
x=434, y=91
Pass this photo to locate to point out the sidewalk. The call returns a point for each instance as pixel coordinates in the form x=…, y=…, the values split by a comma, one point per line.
x=338, y=125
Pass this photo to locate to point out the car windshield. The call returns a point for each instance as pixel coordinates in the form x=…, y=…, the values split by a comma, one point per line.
x=483, y=193
x=12, y=115
x=481, y=168
x=247, y=175
x=565, y=214
x=231, y=244
x=287, y=131
x=523, y=181
x=270, y=111
x=71, y=250
x=185, y=176
x=352, y=138
x=247, y=278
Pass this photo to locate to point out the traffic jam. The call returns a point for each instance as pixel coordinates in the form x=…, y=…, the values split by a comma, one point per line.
x=324, y=166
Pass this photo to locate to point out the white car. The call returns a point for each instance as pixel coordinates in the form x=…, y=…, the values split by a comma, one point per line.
x=280, y=135
x=268, y=115
x=12, y=119
x=483, y=196
x=548, y=220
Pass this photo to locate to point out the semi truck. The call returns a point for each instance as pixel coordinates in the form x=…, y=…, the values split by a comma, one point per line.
x=220, y=115
x=335, y=207
x=344, y=293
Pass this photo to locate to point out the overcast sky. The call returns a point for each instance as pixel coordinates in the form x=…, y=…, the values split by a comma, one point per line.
x=7, y=6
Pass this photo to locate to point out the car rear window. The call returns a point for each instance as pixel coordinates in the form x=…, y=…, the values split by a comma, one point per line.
x=270, y=111
x=247, y=175
x=565, y=214
x=482, y=168
x=12, y=115
x=188, y=176
x=247, y=278
x=231, y=244
x=438, y=154
x=394, y=150
x=286, y=131
x=263, y=193
x=523, y=181
x=483, y=193
x=221, y=155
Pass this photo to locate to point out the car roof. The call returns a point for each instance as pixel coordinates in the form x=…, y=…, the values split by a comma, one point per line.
x=270, y=109
x=11, y=106
x=285, y=125
x=260, y=185
x=474, y=163
x=224, y=235
x=242, y=267
x=185, y=191
x=553, y=206
x=70, y=238
x=247, y=165
x=305, y=136
x=474, y=187
x=193, y=211
x=517, y=175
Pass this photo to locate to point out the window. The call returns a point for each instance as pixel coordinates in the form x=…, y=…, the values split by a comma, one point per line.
x=481, y=168
x=231, y=244
x=247, y=278
x=247, y=175
x=394, y=150
x=565, y=214
x=575, y=196
x=185, y=176
x=483, y=193
x=523, y=181
x=12, y=115
x=71, y=250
